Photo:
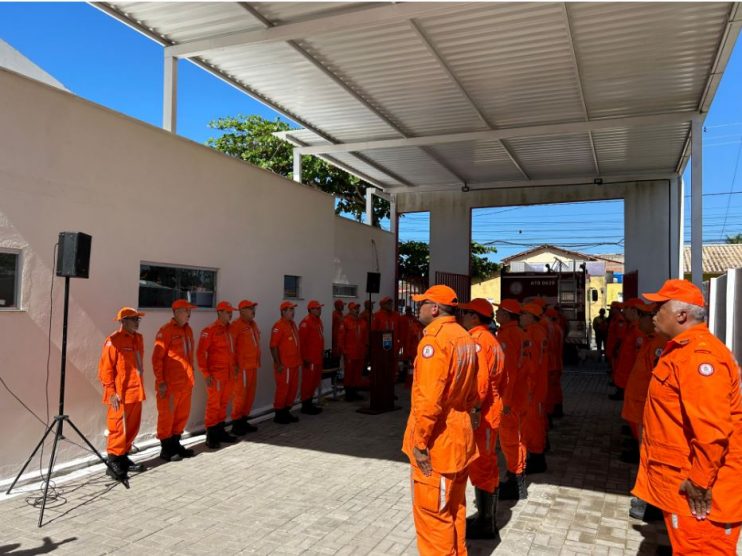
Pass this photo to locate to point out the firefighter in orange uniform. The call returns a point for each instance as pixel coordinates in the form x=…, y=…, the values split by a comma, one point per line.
x=120, y=372
x=353, y=344
x=286, y=352
x=514, y=400
x=630, y=343
x=312, y=341
x=555, y=337
x=439, y=440
x=476, y=317
x=337, y=321
x=246, y=341
x=172, y=363
x=536, y=361
x=367, y=313
x=218, y=364
x=691, y=454
x=616, y=329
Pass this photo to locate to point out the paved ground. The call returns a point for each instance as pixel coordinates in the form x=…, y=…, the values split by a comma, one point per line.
x=338, y=484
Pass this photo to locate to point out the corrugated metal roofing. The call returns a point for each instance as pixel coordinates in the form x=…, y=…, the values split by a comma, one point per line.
x=461, y=67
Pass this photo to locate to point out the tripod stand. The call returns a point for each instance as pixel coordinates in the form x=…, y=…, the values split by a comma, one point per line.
x=58, y=424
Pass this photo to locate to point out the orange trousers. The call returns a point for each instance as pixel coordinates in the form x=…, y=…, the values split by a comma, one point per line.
x=534, y=428
x=287, y=382
x=243, y=393
x=172, y=412
x=710, y=538
x=123, y=427
x=511, y=442
x=310, y=377
x=352, y=377
x=554, y=394
x=484, y=471
x=439, y=510
x=217, y=397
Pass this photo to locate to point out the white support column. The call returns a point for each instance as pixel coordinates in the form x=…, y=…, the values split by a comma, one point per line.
x=369, y=206
x=297, y=166
x=681, y=232
x=450, y=234
x=393, y=213
x=696, y=213
x=675, y=231
x=170, y=94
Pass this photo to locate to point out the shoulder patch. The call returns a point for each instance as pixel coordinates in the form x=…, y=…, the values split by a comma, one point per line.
x=478, y=348
x=276, y=330
x=706, y=369
x=428, y=351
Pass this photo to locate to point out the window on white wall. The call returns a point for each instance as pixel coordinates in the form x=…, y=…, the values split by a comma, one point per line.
x=291, y=286
x=344, y=290
x=161, y=284
x=10, y=273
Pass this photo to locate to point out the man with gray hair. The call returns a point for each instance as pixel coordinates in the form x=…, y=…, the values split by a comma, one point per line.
x=691, y=453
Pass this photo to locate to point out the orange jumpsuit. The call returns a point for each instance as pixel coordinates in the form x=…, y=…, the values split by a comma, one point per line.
x=693, y=430
x=285, y=337
x=536, y=361
x=353, y=342
x=484, y=471
x=630, y=345
x=616, y=331
x=444, y=391
x=120, y=371
x=312, y=341
x=337, y=321
x=216, y=359
x=514, y=396
x=172, y=362
x=246, y=339
x=638, y=383
x=555, y=358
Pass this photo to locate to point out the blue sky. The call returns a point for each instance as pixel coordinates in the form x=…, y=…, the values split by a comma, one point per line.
x=104, y=61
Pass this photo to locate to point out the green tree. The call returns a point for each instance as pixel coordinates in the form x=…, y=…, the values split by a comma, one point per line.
x=414, y=258
x=737, y=238
x=252, y=139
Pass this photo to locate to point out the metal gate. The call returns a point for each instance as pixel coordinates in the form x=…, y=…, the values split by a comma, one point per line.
x=460, y=283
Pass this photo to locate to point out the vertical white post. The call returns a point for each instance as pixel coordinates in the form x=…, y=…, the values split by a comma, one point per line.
x=393, y=213
x=696, y=202
x=681, y=230
x=170, y=94
x=369, y=206
x=297, y=166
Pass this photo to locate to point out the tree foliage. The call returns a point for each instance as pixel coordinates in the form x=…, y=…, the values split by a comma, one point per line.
x=737, y=238
x=251, y=138
x=414, y=258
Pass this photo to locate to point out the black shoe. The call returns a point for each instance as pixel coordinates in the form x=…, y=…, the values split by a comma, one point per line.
x=309, y=408
x=290, y=416
x=116, y=468
x=183, y=452
x=250, y=428
x=617, y=395
x=223, y=435
x=212, y=438
x=513, y=487
x=483, y=525
x=239, y=426
x=626, y=430
x=168, y=452
x=637, y=509
x=133, y=466
x=629, y=456
x=281, y=417
x=536, y=463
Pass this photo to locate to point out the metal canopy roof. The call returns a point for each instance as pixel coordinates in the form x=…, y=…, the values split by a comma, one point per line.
x=413, y=96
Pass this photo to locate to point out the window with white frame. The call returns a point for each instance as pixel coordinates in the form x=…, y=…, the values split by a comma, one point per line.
x=291, y=287
x=10, y=278
x=344, y=290
x=161, y=284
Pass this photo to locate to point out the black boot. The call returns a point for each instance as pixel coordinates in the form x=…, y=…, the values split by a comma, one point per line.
x=536, y=463
x=133, y=466
x=238, y=426
x=116, y=468
x=281, y=417
x=212, y=438
x=168, y=451
x=290, y=416
x=309, y=408
x=508, y=489
x=483, y=525
x=617, y=395
x=183, y=452
x=637, y=508
x=224, y=436
x=250, y=428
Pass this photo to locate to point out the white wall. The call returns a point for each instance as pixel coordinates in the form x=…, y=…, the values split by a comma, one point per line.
x=144, y=195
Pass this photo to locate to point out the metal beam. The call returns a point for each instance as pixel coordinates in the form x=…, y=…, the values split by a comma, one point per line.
x=578, y=77
x=385, y=14
x=170, y=94
x=507, y=133
x=696, y=203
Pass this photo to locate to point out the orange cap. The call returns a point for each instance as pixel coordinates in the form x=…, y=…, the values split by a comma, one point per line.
x=540, y=301
x=128, y=312
x=385, y=299
x=353, y=305
x=616, y=305
x=339, y=304
x=510, y=305
x=680, y=290
x=634, y=302
x=314, y=304
x=438, y=294
x=246, y=303
x=532, y=308
x=480, y=306
x=182, y=304
x=224, y=306
x=368, y=304
x=287, y=305
x=647, y=308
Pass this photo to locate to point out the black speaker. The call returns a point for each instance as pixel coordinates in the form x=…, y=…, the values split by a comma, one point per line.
x=73, y=254
x=373, y=281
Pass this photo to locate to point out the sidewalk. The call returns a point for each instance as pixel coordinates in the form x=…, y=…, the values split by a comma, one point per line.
x=337, y=483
